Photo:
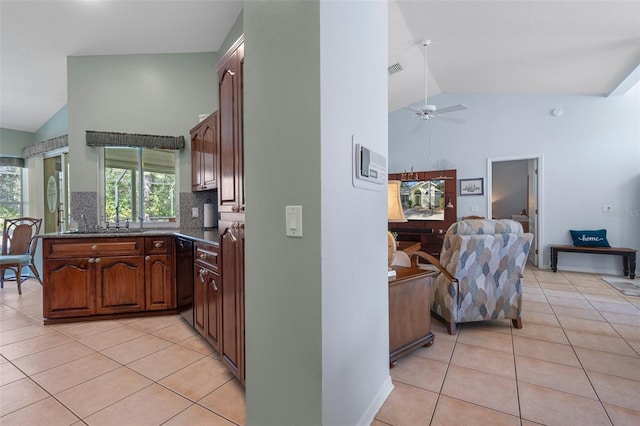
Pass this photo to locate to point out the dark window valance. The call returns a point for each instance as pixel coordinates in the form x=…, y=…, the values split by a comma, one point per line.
x=134, y=140
x=46, y=146
x=11, y=161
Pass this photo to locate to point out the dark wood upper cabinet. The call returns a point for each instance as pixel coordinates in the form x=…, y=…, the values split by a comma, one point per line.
x=230, y=155
x=204, y=150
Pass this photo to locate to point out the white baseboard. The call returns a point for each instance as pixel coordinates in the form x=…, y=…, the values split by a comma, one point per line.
x=382, y=395
x=613, y=272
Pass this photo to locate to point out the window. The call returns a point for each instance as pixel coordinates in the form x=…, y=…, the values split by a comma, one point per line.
x=139, y=183
x=11, y=197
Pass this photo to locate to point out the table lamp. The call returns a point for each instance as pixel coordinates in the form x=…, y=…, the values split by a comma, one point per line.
x=394, y=214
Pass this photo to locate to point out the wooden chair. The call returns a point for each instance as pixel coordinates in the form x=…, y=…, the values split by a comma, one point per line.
x=19, y=241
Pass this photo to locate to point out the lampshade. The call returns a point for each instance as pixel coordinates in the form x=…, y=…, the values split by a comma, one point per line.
x=394, y=204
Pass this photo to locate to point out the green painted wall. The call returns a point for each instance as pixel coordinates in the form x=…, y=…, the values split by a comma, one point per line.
x=160, y=94
x=317, y=344
x=57, y=125
x=234, y=34
x=13, y=141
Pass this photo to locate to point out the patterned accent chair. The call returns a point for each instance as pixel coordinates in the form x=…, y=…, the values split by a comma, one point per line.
x=481, y=265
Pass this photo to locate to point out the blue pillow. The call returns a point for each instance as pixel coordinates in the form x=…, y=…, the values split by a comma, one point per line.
x=596, y=238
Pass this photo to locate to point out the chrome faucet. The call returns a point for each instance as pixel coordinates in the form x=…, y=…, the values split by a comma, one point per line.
x=86, y=225
x=117, y=216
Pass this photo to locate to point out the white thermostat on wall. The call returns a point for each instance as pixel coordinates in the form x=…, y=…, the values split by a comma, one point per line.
x=370, y=168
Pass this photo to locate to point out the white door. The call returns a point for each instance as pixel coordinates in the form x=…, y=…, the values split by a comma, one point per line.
x=534, y=192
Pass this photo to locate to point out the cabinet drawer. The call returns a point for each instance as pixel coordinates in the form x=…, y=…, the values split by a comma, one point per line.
x=157, y=245
x=207, y=255
x=81, y=247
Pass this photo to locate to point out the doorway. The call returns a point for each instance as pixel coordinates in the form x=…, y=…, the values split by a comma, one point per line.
x=514, y=186
x=56, y=192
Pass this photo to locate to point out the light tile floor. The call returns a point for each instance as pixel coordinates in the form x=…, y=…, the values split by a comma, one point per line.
x=136, y=371
x=576, y=361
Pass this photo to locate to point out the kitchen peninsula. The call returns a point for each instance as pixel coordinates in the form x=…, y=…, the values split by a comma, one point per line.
x=108, y=275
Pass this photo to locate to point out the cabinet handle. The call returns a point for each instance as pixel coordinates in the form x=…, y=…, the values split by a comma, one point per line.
x=235, y=225
x=98, y=260
x=159, y=244
x=94, y=247
x=215, y=287
x=201, y=273
x=203, y=256
x=91, y=260
x=147, y=258
x=235, y=209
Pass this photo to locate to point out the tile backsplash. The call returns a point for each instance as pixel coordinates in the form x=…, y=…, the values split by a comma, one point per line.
x=86, y=203
x=188, y=200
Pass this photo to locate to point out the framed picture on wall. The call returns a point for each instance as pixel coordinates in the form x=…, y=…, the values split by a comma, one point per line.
x=472, y=186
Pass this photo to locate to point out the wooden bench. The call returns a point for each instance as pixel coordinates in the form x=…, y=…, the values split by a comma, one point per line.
x=628, y=256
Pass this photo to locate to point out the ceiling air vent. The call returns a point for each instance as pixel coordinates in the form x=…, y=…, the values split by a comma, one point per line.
x=395, y=68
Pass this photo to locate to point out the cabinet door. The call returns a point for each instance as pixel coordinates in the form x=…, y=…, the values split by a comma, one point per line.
x=120, y=284
x=213, y=311
x=196, y=160
x=160, y=291
x=230, y=155
x=209, y=152
x=69, y=289
x=199, y=298
x=232, y=338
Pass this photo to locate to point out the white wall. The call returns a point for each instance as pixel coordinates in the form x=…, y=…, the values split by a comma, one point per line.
x=316, y=307
x=159, y=94
x=355, y=338
x=591, y=155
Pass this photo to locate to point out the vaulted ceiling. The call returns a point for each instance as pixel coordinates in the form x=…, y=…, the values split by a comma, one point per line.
x=523, y=46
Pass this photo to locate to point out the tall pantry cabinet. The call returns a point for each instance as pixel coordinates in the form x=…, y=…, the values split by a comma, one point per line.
x=231, y=207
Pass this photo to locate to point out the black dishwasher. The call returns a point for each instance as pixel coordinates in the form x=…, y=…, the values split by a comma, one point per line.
x=184, y=278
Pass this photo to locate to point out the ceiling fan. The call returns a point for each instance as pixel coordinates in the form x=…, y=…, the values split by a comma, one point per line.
x=431, y=111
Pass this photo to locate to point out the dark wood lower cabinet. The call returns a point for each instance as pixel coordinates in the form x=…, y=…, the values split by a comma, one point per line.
x=207, y=294
x=107, y=276
x=199, y=299
x=233, y=339
x=119, y=284
x=70, y=289
x=214, y=313
x=160, y=286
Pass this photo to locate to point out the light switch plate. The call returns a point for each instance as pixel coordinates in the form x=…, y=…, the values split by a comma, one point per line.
x=194, y=212
x=293, y=221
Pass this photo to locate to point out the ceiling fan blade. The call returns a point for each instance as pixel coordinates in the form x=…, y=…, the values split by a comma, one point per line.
x=450, y=119
x=415, y=110
x=402, y=118
x=459, y=107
